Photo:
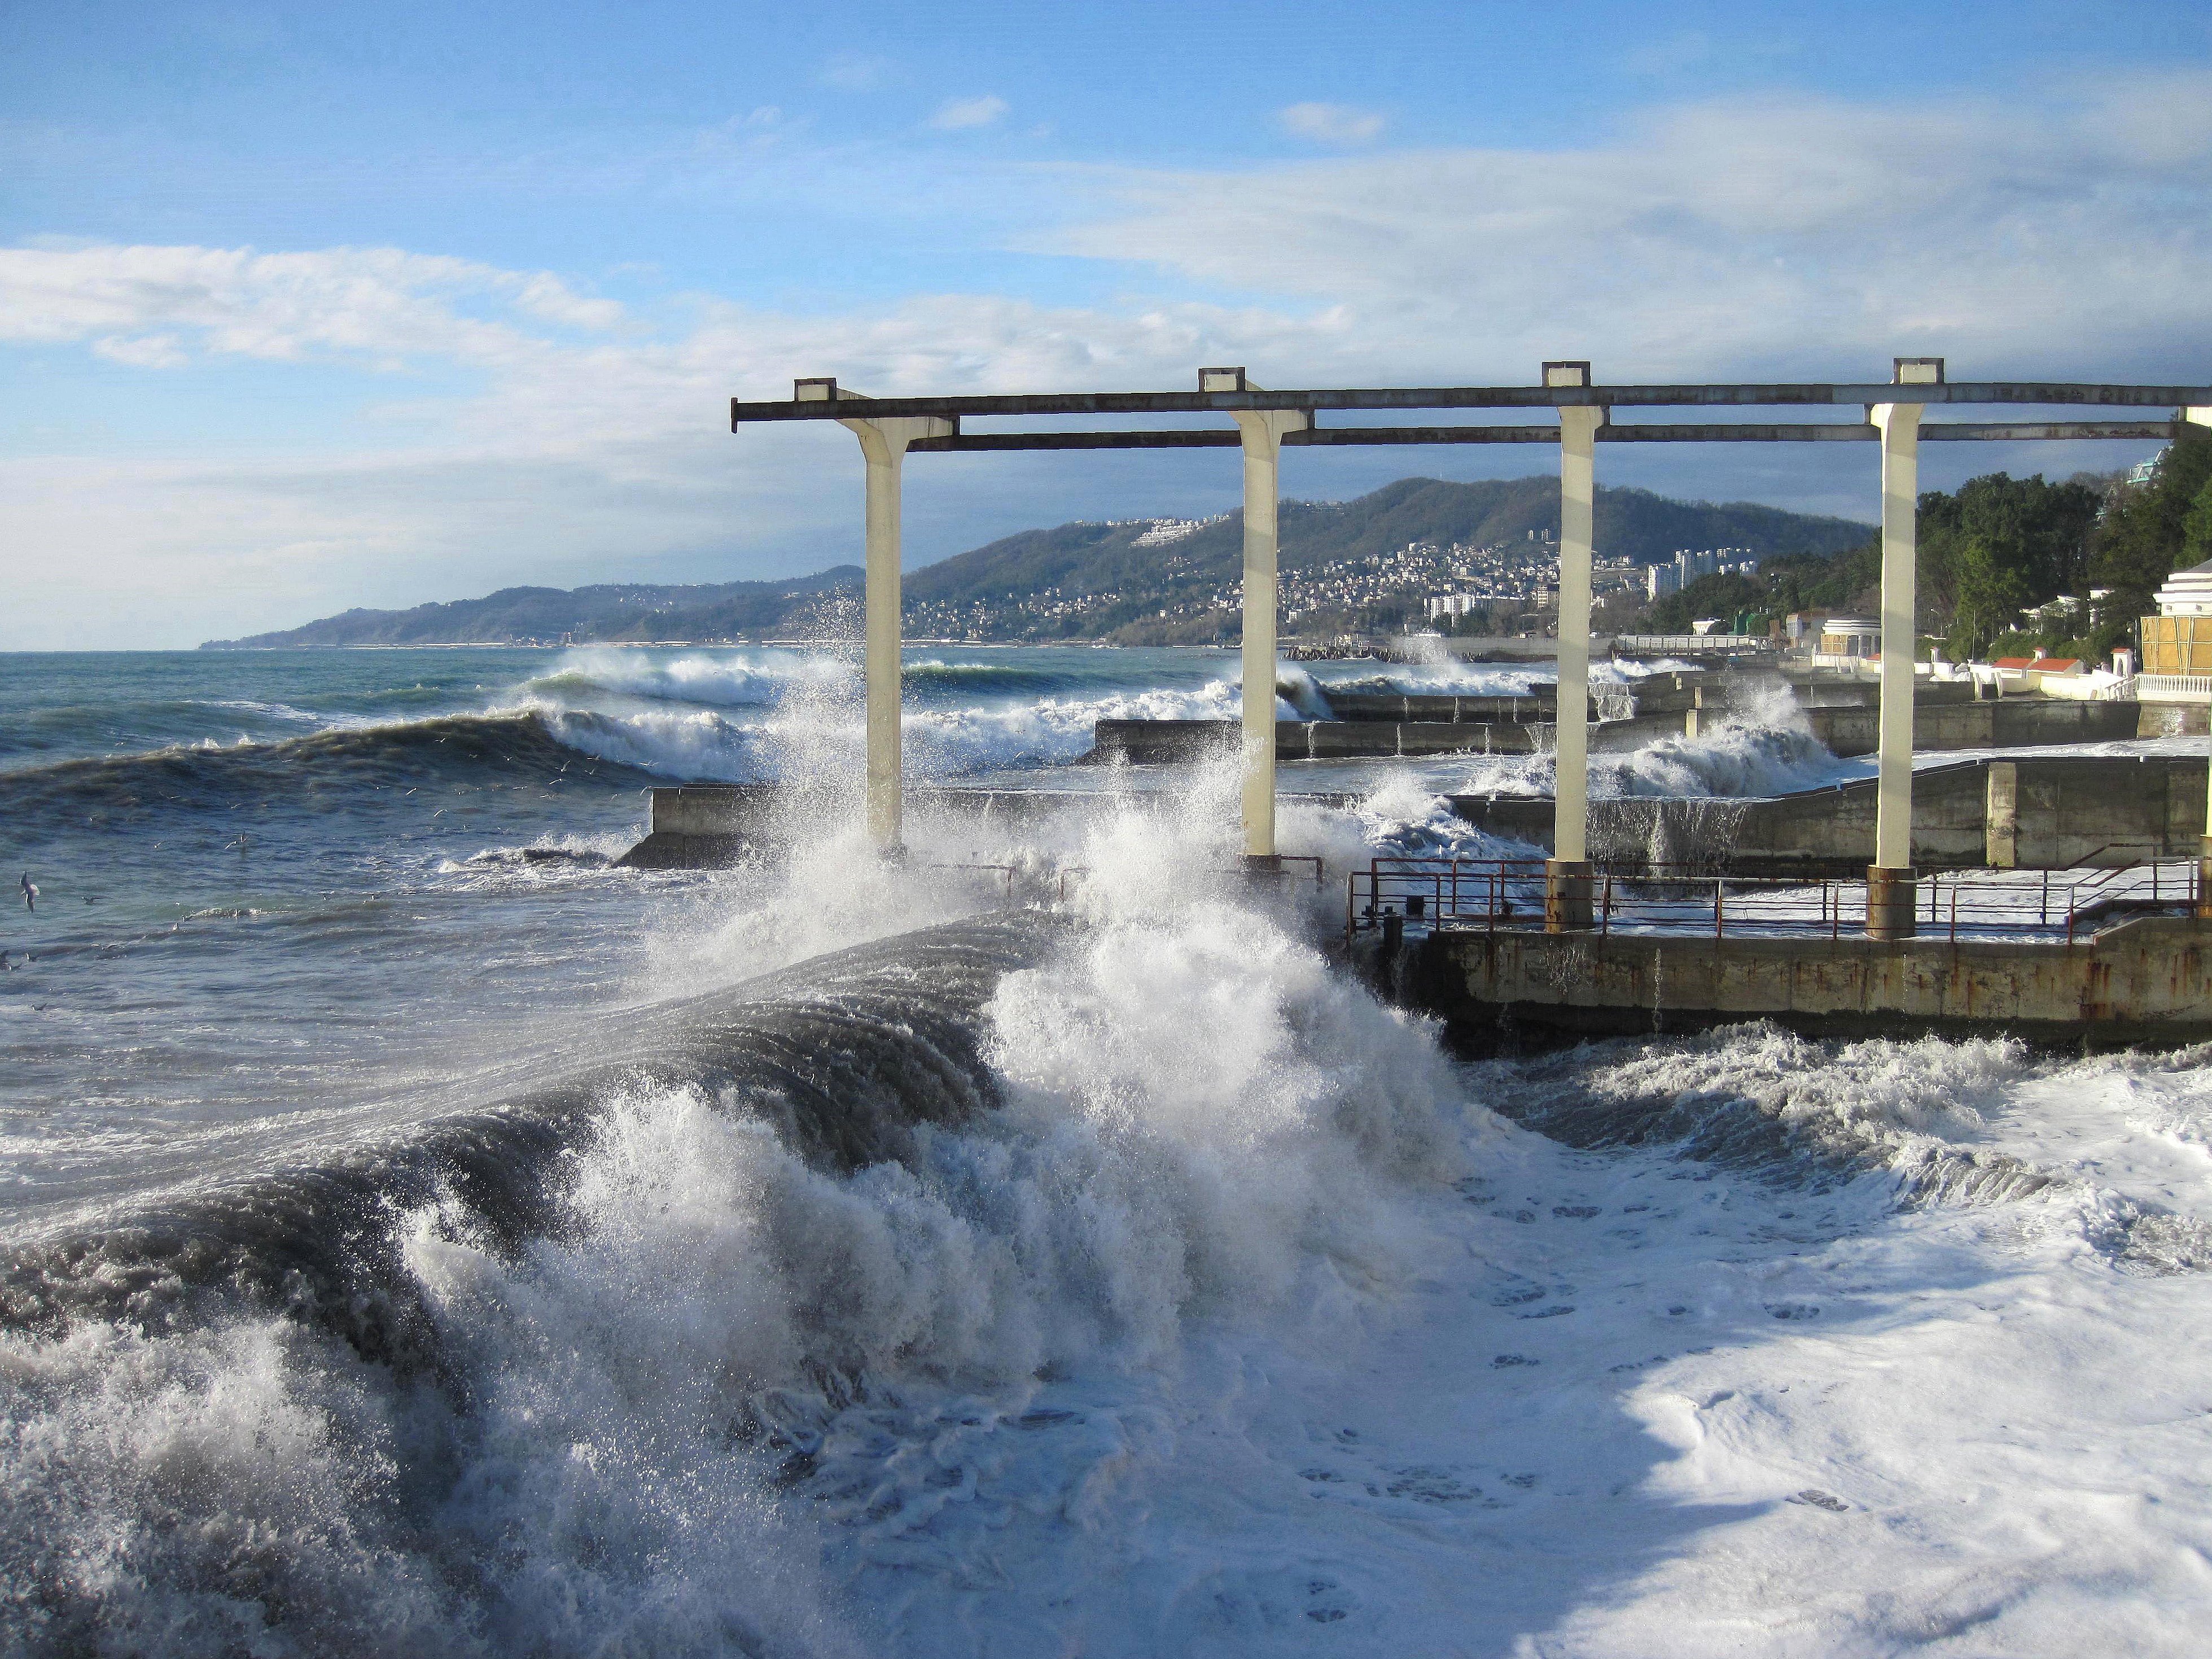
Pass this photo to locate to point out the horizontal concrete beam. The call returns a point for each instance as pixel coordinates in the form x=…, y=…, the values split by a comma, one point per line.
x=2051, y=394
x=1732, y=432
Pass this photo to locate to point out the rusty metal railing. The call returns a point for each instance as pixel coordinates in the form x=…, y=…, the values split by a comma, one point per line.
x=1428, y=893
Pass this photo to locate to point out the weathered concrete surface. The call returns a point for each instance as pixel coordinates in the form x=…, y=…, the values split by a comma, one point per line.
x=1827, y=687
x=2172, y=720
x=2031, y=813
x=1150, y=742
x=1539, y=705
x=702, y=826
x=705, y=826
x=2010, y=723
x=2144, y=980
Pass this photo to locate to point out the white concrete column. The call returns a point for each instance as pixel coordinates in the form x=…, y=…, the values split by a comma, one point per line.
x=1577, y=511
x=1891, y=893
x=883, y=443
x=1567, y=877
x=1262, y=430
x=2203, y=416
x=1900, y=486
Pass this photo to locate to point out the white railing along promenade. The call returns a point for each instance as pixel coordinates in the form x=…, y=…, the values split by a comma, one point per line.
x=1680, y=644
x=2173, y=688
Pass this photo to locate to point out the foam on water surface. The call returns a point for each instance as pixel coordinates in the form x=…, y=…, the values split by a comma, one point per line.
x=1230, y=1315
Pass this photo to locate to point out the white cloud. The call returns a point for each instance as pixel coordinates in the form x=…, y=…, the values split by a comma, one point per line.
x=856, y=72
x=1725, y=240
x=957, y=114
x=1332, y=124
x=1739, y=236
x=142, y=351
x=380, y=305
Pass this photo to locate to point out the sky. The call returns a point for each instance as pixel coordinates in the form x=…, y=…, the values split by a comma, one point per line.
x=306, y=308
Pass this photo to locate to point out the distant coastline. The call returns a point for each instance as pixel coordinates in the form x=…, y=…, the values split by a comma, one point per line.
x=1355, y=567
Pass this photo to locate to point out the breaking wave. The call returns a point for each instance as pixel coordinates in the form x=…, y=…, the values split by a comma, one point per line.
x=532, y=1381
x=322, y=771
x=1821, y=1113
x=1743, y=756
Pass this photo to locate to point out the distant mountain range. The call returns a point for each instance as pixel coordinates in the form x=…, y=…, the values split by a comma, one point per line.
x=631, y=611
x=1091, y=580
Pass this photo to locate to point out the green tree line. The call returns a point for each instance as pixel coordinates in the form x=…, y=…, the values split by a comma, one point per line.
x=1998, y=547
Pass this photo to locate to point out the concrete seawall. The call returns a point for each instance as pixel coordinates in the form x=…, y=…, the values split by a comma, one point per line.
x=2145, y=981
x=2013, y=723
x=1158, y=742
x=2029, y=813
x=704, y=826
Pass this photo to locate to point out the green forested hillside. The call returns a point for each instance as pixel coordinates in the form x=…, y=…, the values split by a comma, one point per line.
x=986, y=587
x=628, y=611
x=1631, y=524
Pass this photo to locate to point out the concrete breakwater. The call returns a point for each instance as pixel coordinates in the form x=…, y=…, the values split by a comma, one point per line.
x=1840, y=713
x=1376, y=724
x=2006, y=723
x=2148, y=980
x=1143, y=742
x=704, y=826
x=2030, y=813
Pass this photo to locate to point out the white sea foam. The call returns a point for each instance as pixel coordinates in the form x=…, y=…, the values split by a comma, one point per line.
x=786, y=739
x=761, y=676
x=712, y=1318
x=1245, y=1327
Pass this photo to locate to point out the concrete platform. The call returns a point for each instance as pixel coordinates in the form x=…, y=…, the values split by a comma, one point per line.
x=1145, y=743
x=1954, y=723
x=2147, y=981
x=2032, y=812
x=713, y=825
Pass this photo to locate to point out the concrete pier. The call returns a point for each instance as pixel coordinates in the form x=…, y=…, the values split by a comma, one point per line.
x=1153, y=742
x=2014, y=723
x=2144, y=980
x=2027, y=812
x=1442, y=725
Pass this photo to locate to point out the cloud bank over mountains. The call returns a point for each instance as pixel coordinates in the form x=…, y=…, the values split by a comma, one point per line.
x=486, y=424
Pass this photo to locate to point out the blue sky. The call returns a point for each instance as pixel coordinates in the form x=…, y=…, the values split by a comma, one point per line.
x=308, y=308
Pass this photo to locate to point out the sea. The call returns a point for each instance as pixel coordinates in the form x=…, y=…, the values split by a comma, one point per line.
x=421, y=1233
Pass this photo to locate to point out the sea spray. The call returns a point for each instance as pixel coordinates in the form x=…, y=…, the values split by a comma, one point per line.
x=615, y=1402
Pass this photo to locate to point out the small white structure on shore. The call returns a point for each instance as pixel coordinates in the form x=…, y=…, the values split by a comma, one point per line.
x=2187, y=592
x=1852, y=636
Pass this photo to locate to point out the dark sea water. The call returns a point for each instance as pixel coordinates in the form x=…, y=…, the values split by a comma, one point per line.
x=272, y=883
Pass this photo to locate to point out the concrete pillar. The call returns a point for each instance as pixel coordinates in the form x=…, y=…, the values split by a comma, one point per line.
x=2001, y=816
x=883, y=444
x=1262, y=430
x=2203, y=416
x=1567, y=875
x=1891, y=891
